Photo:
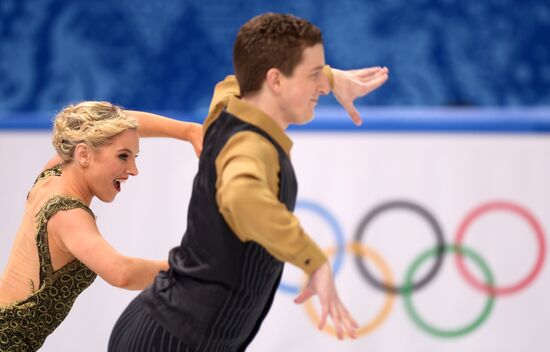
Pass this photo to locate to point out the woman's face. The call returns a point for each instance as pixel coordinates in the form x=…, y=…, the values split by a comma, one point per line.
x=112, y=164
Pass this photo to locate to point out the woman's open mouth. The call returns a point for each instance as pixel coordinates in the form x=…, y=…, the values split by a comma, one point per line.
x=118, y=183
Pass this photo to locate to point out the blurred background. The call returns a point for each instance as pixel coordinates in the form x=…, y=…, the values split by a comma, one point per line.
x=461, y=125
x=167, y=55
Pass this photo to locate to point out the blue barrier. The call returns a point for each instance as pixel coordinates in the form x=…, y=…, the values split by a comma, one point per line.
x=405, y=120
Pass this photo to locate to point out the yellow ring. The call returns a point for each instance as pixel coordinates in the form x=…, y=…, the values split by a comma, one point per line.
x=387, y=276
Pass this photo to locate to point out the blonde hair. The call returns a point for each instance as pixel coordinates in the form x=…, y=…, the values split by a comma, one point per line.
x=91, y=122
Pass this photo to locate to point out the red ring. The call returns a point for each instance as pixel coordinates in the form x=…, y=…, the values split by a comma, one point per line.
x=493, y=290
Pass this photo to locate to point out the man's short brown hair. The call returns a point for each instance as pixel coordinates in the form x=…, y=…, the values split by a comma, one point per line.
x=270, y=41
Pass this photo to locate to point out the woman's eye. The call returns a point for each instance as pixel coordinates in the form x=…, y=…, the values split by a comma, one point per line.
x=123, y=157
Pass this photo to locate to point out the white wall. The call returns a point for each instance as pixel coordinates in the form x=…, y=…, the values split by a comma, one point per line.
x=347, y=174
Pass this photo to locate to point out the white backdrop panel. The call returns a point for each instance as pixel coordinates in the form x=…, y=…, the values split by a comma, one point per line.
x=347, y=175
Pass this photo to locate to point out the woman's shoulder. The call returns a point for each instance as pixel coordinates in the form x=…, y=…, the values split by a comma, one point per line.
x=61, y=202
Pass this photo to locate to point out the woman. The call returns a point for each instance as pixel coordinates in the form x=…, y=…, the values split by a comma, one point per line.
x=58, y=249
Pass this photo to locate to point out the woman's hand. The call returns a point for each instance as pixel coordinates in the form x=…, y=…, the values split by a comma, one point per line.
x=195, y=136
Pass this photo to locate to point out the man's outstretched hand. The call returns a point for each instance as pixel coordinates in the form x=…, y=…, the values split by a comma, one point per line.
x=352, y=84
x=321, y=283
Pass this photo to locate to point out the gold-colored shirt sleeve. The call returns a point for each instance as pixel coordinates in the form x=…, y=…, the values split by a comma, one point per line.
x=223, y=91
x=247, y=188
x=328, y=72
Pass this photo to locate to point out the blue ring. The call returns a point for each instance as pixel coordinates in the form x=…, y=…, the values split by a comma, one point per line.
x=340, y=241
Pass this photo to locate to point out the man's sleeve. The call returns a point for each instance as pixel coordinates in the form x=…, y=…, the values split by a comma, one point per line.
x=328, y=73
x=224, y=90
x=247, y=184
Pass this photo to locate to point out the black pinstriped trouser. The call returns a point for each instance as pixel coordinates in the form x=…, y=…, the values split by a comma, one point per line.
x=136, y=331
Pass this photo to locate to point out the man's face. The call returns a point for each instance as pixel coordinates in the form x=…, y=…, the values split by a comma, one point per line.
x=301, y=90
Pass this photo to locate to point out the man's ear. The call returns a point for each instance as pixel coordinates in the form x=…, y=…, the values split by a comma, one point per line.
x=273, y=80
x=82, y=154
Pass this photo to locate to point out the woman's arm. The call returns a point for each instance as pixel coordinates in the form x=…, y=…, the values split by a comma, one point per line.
x=153, y=125
x=76, y=232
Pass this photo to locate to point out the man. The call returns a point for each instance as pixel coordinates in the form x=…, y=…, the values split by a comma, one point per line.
x=241, y=228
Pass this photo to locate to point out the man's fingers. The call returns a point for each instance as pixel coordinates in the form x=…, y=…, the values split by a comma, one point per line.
x=358, y=83
x=349, y=323
x=367, y=74
x=374, y=83
x=324, y=313
x=304, y=295
x=363, y=88
x=353, y=114
x=336, y=319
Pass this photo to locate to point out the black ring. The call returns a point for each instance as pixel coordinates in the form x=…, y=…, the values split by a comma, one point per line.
x=415, y=208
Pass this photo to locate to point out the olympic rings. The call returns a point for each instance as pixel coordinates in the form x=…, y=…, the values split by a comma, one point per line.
x=383, y=314
x=415, y=208
x=530, y=220
x=338, y=233
x=386, y=284
x=440, y=332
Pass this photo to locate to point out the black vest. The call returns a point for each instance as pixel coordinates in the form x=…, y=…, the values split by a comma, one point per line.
x=218, y=289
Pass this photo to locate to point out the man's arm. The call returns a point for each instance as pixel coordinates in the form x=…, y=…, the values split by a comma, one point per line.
x=247, y=188
x=346, y=86
x=247, y=170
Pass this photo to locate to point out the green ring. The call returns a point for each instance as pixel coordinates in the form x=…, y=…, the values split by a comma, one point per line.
x=440, y=332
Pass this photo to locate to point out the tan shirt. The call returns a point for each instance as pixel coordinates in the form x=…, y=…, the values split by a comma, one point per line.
x=248, y=184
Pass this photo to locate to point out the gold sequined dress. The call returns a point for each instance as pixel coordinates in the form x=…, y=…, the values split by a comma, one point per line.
x=24, y=325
